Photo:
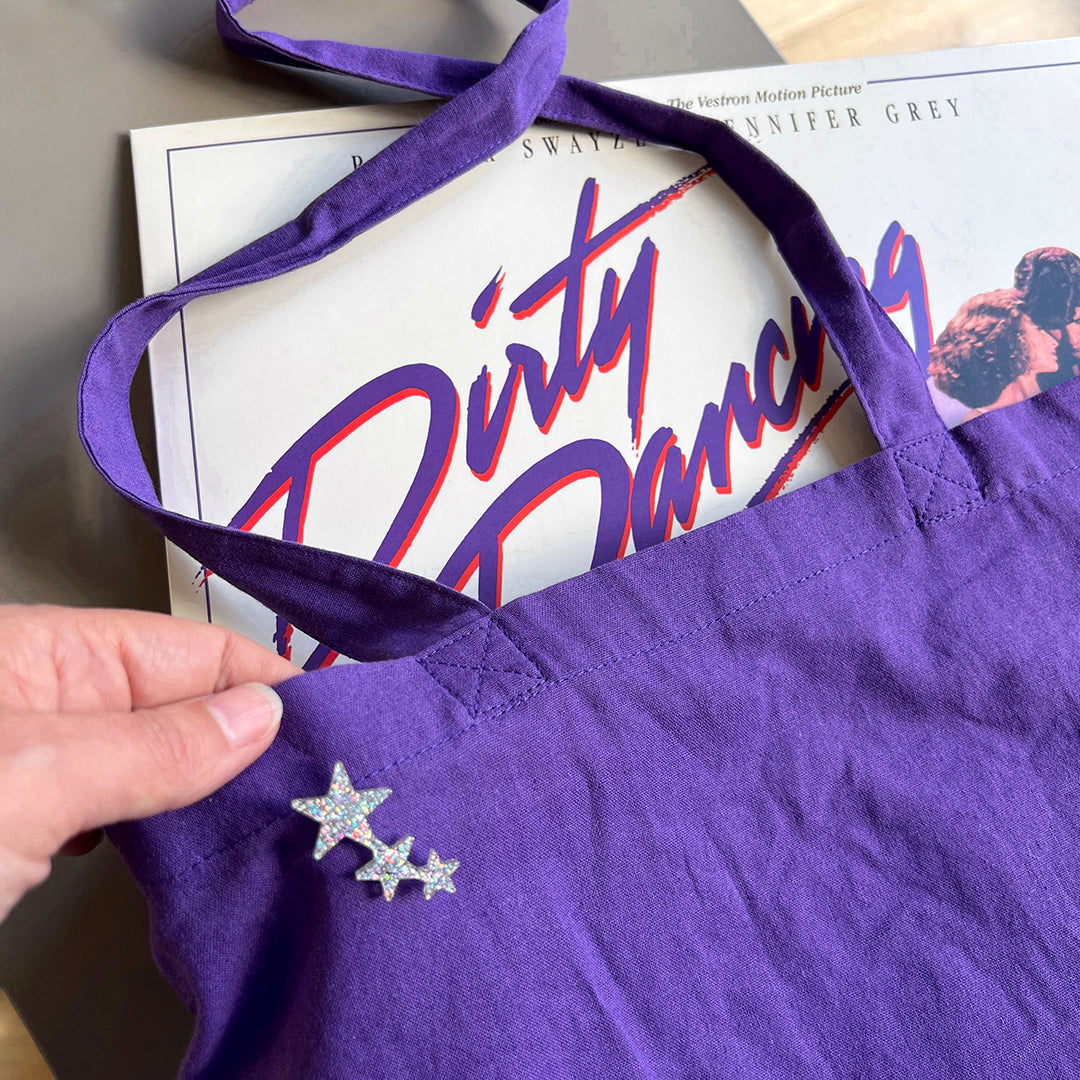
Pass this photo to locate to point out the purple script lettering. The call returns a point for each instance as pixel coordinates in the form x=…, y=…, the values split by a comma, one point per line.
x=900, y=281
x=667, y=486
x=623, y=323
x=482, y=549
x=292, y=474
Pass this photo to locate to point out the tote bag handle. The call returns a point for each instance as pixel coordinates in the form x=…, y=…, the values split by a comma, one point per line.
x=887, y=378
x=357, y=607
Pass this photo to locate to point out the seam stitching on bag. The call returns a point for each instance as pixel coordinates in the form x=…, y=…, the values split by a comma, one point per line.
x=905, y=483
x=480, y=674
x=473, y=667
x=945, y=441
x=958, y=454
x=473, y=708
x=962, y=484
x=544, y=682
x=937, y=474
x=460, y=635
x=453, y=693
x=967, y=485
x=504, y=707
x=537, y=671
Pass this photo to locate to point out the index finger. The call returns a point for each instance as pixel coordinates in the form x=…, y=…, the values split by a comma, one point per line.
x=94, y=659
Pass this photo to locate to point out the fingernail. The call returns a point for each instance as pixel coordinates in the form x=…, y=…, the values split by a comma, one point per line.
x=246, y=713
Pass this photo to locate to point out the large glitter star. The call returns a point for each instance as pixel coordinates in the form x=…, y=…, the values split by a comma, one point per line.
x=389, y=864
x=342, y=812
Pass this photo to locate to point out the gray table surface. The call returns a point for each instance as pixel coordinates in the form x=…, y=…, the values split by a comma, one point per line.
x=75, y=76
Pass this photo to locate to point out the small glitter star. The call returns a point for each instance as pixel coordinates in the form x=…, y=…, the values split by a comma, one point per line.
x=436, y=875
x=389, y=864
x=342, y=812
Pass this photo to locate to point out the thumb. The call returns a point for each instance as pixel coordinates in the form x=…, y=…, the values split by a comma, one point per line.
x=80, y=772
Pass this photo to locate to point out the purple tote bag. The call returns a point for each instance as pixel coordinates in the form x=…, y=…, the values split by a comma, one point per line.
x=796, y=794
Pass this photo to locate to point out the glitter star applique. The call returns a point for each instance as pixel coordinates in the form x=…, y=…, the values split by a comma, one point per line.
x=389, y=864
x=436, y=875
x=342, y=815
x=341, y=812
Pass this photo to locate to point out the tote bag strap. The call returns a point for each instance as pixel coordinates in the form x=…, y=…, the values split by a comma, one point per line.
x=358, y=607
x=886, y=376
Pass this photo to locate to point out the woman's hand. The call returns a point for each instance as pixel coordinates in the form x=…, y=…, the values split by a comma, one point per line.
x=112, y=715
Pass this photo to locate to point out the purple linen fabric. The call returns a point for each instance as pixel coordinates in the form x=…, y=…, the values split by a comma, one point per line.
x=796, y=794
